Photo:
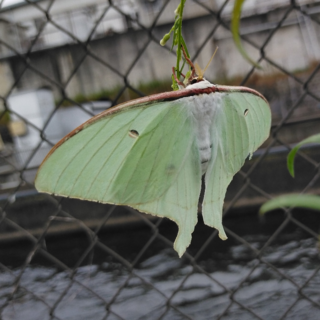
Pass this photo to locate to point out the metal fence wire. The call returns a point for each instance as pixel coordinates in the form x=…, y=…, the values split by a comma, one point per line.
x=71, y=259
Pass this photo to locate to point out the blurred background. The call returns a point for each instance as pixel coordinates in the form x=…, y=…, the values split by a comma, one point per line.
x=61, y=62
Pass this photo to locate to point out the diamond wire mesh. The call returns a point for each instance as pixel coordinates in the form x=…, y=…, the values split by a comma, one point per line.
x=61, y=212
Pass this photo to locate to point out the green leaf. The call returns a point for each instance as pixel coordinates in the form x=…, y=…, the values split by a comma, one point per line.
x=177, y=41
x=307, y=201
x=235, y=23
x=291, y=156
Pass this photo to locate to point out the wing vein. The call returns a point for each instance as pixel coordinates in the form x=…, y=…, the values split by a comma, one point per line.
x=156, y=156
x=107, y=159
x=92, y=156
x=65, y=168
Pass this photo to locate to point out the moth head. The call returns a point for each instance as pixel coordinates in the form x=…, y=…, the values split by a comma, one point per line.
x=197, y=72
x=195, y=80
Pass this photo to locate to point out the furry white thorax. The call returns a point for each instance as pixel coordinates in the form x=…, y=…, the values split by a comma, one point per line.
x=200, y=85
x=204, y=107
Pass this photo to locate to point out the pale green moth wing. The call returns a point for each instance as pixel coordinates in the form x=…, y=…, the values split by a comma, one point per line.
x=144, y=156
x=241, y=124
x=180, y=202
x=124, y=158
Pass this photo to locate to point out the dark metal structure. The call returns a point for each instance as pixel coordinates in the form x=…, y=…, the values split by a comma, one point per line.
x=63, y=218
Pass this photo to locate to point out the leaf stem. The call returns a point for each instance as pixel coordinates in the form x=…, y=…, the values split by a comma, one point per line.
x=177, y=41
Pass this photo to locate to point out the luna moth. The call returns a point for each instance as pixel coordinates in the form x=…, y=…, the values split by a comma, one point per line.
x=151, y=153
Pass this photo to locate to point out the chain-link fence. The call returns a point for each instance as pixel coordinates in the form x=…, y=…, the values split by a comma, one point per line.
x=64, y=61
